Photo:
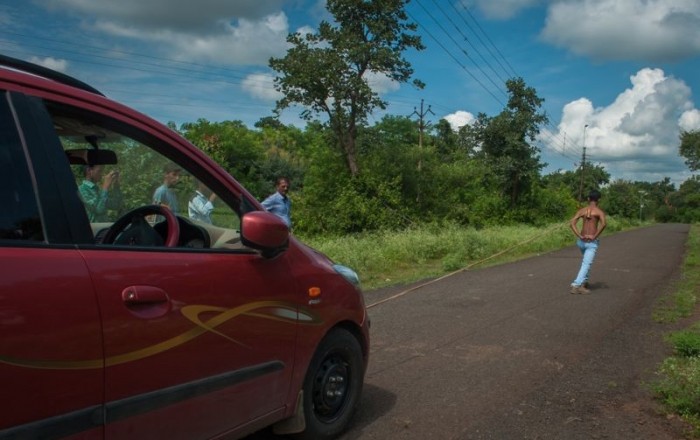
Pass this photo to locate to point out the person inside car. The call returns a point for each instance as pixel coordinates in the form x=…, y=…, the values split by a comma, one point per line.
x=100, y=193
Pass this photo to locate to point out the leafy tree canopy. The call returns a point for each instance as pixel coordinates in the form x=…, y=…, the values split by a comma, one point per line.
x=690, y=149
x=328, y=72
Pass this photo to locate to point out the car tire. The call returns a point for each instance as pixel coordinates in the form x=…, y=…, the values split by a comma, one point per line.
x=332, y=386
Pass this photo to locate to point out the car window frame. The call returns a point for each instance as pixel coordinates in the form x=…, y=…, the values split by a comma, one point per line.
x=47, y=168
x=163, y=141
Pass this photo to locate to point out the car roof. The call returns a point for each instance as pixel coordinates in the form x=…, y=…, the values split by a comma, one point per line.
x=45, y=72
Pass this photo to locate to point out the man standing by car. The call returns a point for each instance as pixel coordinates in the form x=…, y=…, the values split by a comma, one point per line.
x=99, y=194
x=164, y=195
x=587, y=238
x=279, y=203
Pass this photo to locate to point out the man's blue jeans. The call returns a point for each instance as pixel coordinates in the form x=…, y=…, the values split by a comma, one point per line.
x=588, y=249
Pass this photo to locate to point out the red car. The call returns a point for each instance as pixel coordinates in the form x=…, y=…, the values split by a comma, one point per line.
x=124, y=315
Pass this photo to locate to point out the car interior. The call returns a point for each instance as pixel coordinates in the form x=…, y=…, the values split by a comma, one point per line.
x=129, y=216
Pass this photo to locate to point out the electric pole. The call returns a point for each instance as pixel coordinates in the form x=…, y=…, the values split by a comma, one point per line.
x=583, y=164
x=421, y=128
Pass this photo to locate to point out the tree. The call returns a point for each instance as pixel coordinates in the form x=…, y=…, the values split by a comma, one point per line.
x=622, y=199
x=594, y=177
x=505, y=139
x=690, y=149
x=328, y=72
x=233, y=146
x=447, y=141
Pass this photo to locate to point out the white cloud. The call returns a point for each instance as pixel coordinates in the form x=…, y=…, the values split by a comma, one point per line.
x=51, y=63
x=690, y=120
x=651, y=30
x=459, y=119
x=261, y=86
x=243, y=32
x=381, y=83
x=636, y=136
x=194, y=17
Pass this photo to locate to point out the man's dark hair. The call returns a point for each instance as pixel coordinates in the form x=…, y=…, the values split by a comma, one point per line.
x=594, y=195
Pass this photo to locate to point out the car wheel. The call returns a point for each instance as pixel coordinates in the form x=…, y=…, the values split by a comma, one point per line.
x=332, y=385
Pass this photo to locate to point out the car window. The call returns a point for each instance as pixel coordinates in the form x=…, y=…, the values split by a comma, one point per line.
x=141, y=175
x=19, y=215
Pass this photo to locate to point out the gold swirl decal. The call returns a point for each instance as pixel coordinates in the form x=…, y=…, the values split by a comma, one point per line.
x=273, y=310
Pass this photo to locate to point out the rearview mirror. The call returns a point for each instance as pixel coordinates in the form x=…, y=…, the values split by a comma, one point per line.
x=89, y=156
x=265, y=232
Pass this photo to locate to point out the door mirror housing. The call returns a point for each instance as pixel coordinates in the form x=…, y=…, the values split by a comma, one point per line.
x=265, y=232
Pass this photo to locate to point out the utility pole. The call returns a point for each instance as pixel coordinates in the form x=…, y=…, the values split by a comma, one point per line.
x=421, y=128
x=641, y=204
x=583, y=164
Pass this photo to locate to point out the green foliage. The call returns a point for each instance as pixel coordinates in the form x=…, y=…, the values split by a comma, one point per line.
x=684, y=205
x=232, y=145
x=140, y=177
x=622, y=199
x=687, y=290
x=690, y=149
x=579, y=181
x=456, y=191
x=328, y=72
x=358, y=204
x=419, y=252
x=542, y=205
x=505, y=143
x=679, y=389
x=686, y=342
x=678, y=383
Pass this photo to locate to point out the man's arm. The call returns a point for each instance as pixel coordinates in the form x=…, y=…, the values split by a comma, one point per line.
x=601, y=224
x=160, y=197
x=269, y=203
x=573, y=222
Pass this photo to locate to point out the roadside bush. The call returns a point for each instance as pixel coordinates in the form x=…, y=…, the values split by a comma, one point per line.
x=685, y=343
x=680, y=387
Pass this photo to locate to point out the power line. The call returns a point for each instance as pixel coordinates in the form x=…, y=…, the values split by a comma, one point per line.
x=466, y=8
x=456, y=60
x=552, y=135
x=469, y=42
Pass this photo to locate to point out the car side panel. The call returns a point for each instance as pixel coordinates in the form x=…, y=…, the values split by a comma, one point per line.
x=211, y=346
x=51, y=360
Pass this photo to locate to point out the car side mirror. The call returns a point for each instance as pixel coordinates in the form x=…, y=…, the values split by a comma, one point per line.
x=265, y=232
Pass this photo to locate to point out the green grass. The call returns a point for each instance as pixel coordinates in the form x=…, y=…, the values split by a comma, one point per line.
x=678, y=386
x=388, y=258
x=682, y=303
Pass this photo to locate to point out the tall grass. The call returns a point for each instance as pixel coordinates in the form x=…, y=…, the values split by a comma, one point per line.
x=387, y=258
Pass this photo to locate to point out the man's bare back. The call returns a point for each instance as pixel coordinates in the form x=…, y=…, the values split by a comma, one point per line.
x=593, y=222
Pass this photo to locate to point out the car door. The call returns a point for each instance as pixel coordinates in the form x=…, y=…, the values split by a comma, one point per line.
x=198, y=338
x=51, y=359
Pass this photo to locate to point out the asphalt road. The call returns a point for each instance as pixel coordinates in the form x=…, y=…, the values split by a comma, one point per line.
x=508, y=353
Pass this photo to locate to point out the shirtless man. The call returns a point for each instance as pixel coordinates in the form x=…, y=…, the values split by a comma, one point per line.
x=593, y=225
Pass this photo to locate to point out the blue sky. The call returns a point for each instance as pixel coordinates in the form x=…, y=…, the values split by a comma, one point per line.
x=617, y=76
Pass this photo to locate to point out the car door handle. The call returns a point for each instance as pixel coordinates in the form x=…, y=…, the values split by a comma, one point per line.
x=144, y=295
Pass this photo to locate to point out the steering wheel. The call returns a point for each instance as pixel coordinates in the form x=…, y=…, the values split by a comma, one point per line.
x=137, y=231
